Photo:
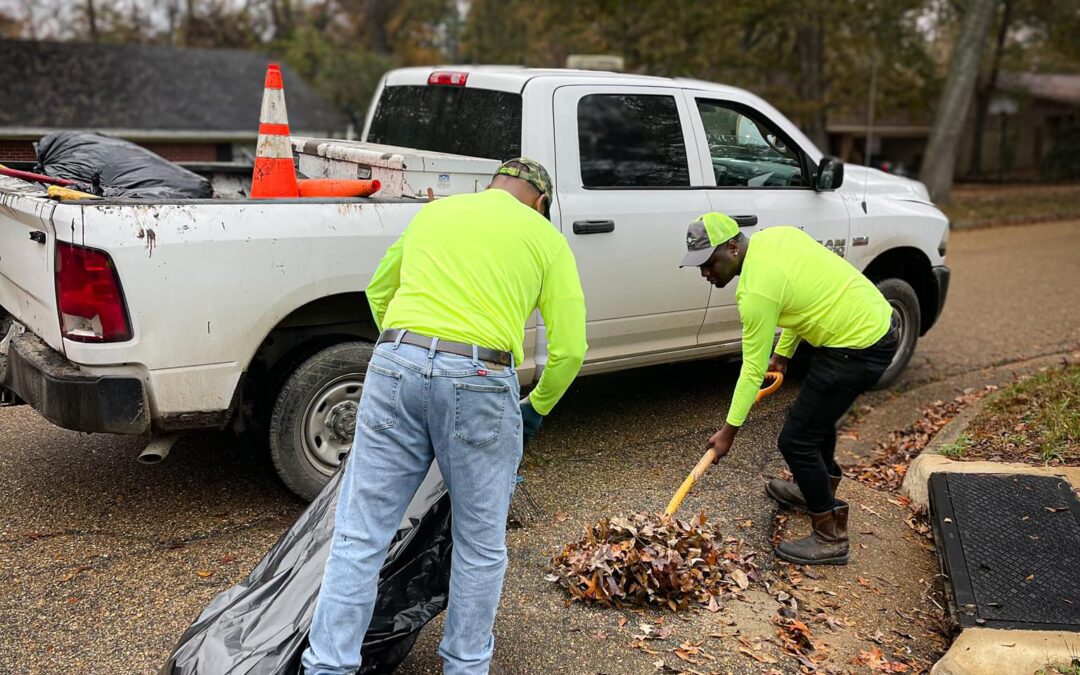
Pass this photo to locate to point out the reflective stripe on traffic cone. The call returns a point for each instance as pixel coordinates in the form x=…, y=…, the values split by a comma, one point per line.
x=274, y=175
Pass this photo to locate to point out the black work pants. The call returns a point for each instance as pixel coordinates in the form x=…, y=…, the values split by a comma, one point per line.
x=808, y=440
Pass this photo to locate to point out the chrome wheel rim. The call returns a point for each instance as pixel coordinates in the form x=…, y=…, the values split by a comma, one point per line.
x=330, y=423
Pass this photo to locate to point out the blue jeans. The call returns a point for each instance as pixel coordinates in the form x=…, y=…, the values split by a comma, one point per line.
x=419, y=405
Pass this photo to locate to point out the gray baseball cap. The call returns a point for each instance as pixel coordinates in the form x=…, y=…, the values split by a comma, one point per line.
x=704, y=235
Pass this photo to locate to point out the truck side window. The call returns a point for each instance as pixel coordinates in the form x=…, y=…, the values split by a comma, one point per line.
x=631, y=141
x=747, y=152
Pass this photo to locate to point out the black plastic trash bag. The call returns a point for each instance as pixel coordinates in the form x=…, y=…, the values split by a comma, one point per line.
x=260, y=626
x=112, y=167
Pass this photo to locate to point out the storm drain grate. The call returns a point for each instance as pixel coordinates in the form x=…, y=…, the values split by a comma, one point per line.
x=1010, y=545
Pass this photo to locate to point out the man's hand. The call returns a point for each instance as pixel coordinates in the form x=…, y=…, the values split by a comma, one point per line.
x=721, y=441
x=530, y=421
x=778, y=363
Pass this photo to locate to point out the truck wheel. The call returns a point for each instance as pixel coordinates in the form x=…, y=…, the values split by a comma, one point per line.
x=314, y=416
x=905, y=307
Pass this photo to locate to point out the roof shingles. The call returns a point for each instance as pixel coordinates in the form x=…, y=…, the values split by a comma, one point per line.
x=140, y=87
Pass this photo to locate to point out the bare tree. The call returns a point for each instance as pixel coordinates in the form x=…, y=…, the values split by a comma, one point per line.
x=91, y=20
x=810, y=48
x=939, y=164
x=986, y=90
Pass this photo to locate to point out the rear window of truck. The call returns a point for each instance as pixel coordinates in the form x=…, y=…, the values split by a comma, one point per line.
x=457, y=120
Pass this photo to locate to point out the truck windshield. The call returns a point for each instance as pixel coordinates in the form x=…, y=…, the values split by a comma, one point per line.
x=456, y=120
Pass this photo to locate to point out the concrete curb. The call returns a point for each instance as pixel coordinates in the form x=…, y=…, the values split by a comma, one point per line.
x=978, y=651
x=917, y=479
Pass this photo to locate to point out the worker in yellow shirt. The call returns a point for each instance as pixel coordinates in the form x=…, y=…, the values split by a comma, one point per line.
x=789, y=281
x=451, y=298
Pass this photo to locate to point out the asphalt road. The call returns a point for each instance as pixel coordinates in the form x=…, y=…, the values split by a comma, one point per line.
x=104, y=562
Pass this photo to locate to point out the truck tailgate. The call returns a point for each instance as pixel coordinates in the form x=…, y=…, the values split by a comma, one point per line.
x=27, y=289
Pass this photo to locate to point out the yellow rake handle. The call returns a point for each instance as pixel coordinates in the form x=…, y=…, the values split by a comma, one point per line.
x=710, y=455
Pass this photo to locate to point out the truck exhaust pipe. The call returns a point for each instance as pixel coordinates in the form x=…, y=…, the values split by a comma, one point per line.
x=158, y=448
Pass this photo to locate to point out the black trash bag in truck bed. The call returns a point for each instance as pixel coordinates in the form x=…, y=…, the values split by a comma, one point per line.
x=260, y=626
x=121, y=168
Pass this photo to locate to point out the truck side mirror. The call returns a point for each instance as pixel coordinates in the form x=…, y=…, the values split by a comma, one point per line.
x=830, y=174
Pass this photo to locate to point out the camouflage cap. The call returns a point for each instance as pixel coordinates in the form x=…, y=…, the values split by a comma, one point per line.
x=704, y=235
x=534, y=173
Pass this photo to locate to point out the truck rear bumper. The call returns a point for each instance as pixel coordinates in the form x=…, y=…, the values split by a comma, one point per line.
x=68, y=396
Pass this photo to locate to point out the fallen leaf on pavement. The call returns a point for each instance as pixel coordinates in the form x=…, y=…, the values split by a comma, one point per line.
x=74, y=573
x=560, y=516
x=205, y=573
x=760, y=658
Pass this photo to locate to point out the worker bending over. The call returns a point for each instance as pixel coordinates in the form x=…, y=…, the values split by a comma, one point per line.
x=790, y=281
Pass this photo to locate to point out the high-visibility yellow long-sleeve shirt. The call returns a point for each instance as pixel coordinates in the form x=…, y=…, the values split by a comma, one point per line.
x=790, y=281
x=472, y=268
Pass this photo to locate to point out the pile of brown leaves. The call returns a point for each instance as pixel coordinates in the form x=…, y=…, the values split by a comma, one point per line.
x=646, y=559
x=887, y=469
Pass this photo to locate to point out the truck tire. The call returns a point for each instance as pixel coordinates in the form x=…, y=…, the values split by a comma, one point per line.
x=905, y=306
x=314, y=416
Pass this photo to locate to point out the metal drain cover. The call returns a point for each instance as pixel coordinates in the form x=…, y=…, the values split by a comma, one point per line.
x=1010, y=546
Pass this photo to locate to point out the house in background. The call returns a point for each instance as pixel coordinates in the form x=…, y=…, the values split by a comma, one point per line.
x=1029, y=114
x=187, y=105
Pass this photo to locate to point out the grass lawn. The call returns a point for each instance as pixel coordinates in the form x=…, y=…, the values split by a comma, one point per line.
x=984, y=204
x=1034, y=421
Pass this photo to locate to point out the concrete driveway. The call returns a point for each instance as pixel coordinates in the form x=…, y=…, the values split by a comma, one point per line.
x=104, y=562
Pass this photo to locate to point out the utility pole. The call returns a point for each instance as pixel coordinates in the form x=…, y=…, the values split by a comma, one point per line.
x=870, y=109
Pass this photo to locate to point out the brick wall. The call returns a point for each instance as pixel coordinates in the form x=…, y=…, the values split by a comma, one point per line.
x=184, y=152
x=17, y=151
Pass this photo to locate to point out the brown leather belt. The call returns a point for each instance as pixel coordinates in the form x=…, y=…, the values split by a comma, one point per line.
x=459, y=348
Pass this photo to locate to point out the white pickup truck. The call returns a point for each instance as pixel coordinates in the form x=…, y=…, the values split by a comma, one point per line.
x=145, y=317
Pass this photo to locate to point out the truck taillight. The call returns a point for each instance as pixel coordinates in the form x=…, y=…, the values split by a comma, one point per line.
x=89, y=297
x=453, y=78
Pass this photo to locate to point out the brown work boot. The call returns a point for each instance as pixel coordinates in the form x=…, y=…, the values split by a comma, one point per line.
x=826, y=545
x=787, y=493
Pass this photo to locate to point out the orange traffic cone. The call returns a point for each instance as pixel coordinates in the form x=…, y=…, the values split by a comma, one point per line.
x=274, y=175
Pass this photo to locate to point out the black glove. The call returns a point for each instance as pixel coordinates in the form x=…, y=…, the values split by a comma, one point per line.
x=530, y=421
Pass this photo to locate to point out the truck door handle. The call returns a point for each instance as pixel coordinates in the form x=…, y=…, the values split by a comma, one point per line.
x=38, y=236
x=745, y=221
x=593, y=226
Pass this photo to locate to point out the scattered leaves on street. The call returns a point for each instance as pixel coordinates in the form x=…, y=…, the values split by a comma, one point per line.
x=645, y=559
x=894, y=454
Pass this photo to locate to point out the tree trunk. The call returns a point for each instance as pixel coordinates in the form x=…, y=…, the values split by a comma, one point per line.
x=91, y=20
x=810, y=49
x=939, y=163
x=982, y=96
x=376, y=14
x=189, y=23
